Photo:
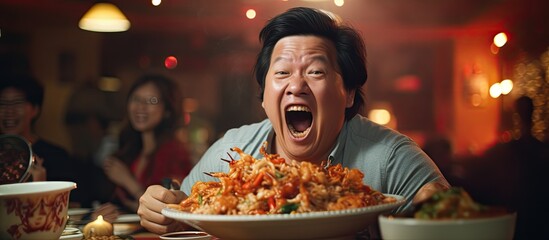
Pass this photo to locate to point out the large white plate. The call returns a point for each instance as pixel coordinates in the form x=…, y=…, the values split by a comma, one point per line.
x=71, y=233
x=315, y=225
x=127, y=218
x=76, y=236
x=78, y=211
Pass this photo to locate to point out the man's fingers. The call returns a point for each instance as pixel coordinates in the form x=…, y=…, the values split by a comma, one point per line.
x=427, y=191
x=154, y=227
x=153, y=216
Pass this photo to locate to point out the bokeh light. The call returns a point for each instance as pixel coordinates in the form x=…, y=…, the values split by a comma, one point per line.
x=250, y=14
x=500, y=39
x=156, y=3
x=339, y=3
x=476, y=100
x=495, y=90
x=506, y=86
x=380, y=116
x=109, y=84
x=170, y=62
x=494, y=49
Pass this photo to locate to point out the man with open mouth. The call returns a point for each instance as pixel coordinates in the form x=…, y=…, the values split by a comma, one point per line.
x=311, y=69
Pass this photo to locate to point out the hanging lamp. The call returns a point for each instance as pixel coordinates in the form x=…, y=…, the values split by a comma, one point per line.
x=104, y=17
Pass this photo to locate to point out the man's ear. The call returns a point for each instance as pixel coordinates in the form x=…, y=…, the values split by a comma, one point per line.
x=35, y=112
x=350, y=98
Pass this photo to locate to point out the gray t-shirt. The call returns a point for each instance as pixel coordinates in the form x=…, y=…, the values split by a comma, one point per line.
x=392, y=163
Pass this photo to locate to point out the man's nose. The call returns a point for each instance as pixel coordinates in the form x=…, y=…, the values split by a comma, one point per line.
x=297, y=85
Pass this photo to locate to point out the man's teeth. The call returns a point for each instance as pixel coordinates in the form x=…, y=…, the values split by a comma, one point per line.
x=293, y=131
x=9, y=123
x=296, y=133
x=296, y=108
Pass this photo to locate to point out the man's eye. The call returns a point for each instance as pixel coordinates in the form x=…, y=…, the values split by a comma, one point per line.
x=316, y=72
x=281, y=73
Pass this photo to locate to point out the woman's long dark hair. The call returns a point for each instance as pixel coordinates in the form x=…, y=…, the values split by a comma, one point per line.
x=130, y=141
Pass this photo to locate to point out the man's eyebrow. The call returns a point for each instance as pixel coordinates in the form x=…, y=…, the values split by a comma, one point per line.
x=322, y=58
x=280, y=58
x=319, y=57
x=314, y=58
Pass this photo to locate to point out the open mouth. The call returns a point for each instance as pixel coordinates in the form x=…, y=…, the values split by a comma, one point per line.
x=138, y=118
x=299, y=120
x=9, y=123
x=140, y=121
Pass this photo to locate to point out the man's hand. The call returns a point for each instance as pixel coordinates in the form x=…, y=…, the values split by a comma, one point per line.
x=109, y=212
x=427, y=191
x=37, y=171
x=150, y=208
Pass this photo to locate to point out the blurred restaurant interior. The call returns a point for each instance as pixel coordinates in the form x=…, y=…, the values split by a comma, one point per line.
x=434, y=66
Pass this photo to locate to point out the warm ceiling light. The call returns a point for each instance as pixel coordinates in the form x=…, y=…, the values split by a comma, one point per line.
x=110, y=84
x=500, y=39
x=495, y=90
x=380, y=116
x=506, y=86
x=156, y=3
x=104, y=17
x=250, y=14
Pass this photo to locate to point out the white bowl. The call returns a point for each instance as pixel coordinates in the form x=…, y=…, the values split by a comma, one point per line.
x=34, y=210
x=76, y=214
x=497, y=228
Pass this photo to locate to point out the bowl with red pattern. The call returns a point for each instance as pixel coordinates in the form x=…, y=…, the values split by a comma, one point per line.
x=34, y=210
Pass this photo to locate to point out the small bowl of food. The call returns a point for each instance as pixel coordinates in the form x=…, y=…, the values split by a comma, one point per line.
x=34, y=210
x=16, y=159
x=450, y=214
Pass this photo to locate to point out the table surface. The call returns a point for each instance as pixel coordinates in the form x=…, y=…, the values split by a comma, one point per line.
x=145, y=236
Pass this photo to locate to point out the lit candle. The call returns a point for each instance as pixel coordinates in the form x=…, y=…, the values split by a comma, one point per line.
x=99, y=227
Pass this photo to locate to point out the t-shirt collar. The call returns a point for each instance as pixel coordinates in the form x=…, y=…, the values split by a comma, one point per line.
x=336, y=155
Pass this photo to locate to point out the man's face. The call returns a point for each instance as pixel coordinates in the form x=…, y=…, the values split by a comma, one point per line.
x=305, y=98
x=16, y=113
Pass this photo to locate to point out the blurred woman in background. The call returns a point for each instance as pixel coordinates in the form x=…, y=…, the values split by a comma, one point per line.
x=148, y=148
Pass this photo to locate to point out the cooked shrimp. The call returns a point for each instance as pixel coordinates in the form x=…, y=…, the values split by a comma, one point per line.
x=272, y=185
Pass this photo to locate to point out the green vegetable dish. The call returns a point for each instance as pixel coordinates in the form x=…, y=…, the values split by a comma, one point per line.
x=454, y=203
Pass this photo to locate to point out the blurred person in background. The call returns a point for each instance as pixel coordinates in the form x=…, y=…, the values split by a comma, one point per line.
x=511, y=174
x=148, y=149
x=89, y=113
x=21, y=98
x=311, y=69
